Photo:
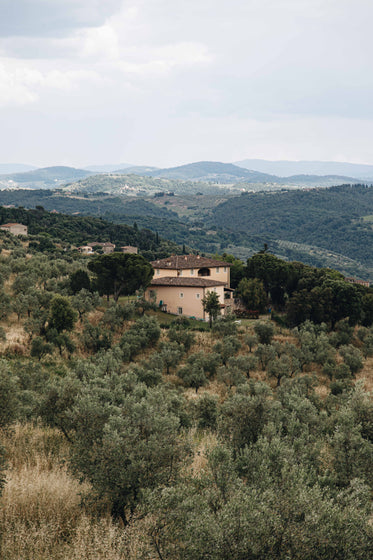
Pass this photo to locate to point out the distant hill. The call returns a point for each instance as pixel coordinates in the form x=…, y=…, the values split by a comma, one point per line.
x=6, y=168
x=108, y=168
x=79, y=230
x=285, y=168
x=212, y=171
x=45, y=176
x=228, y=173
x=134, y=184
x=338, y=219
x=137, y=170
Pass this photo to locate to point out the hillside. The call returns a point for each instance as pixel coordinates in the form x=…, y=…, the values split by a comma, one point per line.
x=79, y=230
x=45, y=176
x=212, y=171
x=134, y=184
x=239, y=178
x=130, y=433
x=337, y=219
x=287, y=168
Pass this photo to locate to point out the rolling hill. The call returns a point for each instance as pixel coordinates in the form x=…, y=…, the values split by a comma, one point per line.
x=45, y=176
x=286, y=168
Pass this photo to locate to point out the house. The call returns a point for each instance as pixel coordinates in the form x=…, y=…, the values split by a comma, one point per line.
x=85, y=250
x=107, y=247
x=181, y=282
x=365, y=283
x=14, y=228
x=130, y=249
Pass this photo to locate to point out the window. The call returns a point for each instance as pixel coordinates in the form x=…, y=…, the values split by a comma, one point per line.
x=198, y=296
x=181, y=294
x=179, y=272
x=191, y=271
x=158, y=271
x=225, y=269
x=180, y=310
x=217, y=269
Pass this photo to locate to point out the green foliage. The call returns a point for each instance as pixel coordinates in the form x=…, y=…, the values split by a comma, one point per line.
x=120, y=273
x=225, y=326
x=144, y=333
x=79, y=280
x=252, y=293
x=95, y=338
x=206, y=411
x=181, y=336
x=170, y=354
x=85, y=301
x=62, y=315
x=125, y=449
x=227, y=347
x=40, y=348
x=211, y=306
x=9, y=393
x=264, y=332
x=352, y=357
x=193, y=375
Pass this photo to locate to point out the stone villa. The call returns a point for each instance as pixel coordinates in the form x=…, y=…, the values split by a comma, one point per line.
x=180, y=283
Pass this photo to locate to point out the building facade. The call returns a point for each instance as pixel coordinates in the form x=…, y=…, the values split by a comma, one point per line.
x=14, y=228
x=181, y=282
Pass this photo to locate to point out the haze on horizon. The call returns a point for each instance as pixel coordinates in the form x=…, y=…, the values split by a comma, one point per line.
x=164, y=83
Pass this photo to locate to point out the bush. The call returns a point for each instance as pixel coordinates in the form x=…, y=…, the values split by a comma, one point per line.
x=264, y=332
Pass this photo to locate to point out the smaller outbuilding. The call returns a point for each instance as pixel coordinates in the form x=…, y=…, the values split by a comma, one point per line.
x=14, y=228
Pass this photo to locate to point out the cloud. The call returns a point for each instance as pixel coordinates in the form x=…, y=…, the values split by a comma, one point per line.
x=184, y=75
x=53, y=17
x=21, y=84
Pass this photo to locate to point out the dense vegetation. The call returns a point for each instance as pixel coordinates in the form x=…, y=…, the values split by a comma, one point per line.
x=79, y=230
x=321, y=227
x=243, y=441
x=336, y=219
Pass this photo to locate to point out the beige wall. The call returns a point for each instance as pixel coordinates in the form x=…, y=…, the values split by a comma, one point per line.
x=216, y=273
x=16, y=230
x=190, y=304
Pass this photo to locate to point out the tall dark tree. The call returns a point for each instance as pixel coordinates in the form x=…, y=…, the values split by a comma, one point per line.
x=121, y=274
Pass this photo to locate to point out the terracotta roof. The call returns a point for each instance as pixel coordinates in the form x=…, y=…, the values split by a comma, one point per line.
x=187, y=261
x=14, y=224
x=186, y=282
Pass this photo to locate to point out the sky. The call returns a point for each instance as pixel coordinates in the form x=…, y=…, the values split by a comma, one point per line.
x=167, y=82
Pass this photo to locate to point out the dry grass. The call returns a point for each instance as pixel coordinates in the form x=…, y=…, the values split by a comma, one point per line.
x=203, y=444
x=40, y=513
x=367, y=374
x=15, y=334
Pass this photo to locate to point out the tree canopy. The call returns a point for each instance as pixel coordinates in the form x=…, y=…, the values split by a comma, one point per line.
x=121, y=274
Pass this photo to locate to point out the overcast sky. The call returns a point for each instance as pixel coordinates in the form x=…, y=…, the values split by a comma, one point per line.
x=166, y=82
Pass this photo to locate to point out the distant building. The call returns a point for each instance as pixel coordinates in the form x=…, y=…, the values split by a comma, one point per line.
x=130, y=249
x=15, y=229
x=85, y=250
x=181, y=282
x=107, y=247
x=356, y=281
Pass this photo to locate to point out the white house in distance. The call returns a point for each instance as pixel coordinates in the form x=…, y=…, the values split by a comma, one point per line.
x=180, y=283
x=14, y=228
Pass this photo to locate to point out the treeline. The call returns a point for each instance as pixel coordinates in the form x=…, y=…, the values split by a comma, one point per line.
x=300, y=292
x=79, y=230
x=329, y=218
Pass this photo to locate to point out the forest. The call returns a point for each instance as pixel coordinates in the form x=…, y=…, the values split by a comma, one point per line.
x=325, y=227
x=129, y=433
